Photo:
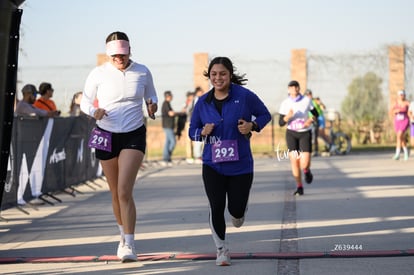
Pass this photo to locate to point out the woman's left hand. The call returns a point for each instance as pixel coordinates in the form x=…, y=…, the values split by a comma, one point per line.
x=152, y=109
x=244, y=126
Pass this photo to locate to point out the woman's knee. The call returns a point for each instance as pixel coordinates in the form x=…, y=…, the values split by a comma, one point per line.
x=237, y=212
x=124, y=195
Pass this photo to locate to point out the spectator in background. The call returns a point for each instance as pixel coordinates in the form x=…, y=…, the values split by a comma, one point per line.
x=188, y=106
x=25, y=106
x=74, y=109
x=182, y=117
x=401, y=121
x=316, y=123
x=168, y=123
x=197, y=145
x=45, y=102
x=322, y=126
x=411, y=116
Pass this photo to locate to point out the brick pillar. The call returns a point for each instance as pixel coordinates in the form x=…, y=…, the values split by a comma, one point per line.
x=396, y=67
x=201, y=65
x=101, y=58
x=298, y=67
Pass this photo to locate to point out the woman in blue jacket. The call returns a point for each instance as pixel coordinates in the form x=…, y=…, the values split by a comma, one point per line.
x=223, y=120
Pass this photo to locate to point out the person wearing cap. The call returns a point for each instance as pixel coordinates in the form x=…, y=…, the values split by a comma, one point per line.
x=44, y=101
x=298, y=113
x=25, y=106
x=121, y=87
x=401, y=123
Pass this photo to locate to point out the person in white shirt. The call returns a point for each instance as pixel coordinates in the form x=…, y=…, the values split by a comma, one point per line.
x=121, y=86
x=298, y=113
x=197, y=145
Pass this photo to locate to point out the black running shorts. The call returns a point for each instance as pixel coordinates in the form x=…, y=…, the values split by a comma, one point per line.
x=299, y=141
x=131, y=140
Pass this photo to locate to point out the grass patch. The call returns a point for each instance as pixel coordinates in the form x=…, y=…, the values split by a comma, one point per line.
x=372, y=148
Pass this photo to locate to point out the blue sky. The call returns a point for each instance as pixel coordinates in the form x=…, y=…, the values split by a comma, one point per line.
x=71, y=32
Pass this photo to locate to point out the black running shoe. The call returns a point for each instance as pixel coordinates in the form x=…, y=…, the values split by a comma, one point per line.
x=308, y=177
x=298, y=191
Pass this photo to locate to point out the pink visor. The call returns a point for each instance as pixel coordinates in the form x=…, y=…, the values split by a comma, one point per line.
x=117, y=47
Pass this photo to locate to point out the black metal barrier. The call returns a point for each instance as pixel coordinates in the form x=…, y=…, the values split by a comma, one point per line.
x=48, y=155
x=10, y=17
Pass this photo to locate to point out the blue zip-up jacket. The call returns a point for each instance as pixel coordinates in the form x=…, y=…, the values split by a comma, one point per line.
x=240, y=104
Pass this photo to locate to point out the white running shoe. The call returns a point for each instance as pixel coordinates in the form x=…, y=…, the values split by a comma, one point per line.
x=119, y=250
x=223, y=257
x=127, y=253
x=237, y=222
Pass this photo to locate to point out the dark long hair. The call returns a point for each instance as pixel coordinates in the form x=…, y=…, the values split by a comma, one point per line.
x=72, y=108
x=117, y=36
x=226, y=62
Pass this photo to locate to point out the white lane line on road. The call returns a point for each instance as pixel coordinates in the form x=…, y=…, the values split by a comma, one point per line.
x=336, y=222
x=139, y=236
x=364, y=233
x=388, y=191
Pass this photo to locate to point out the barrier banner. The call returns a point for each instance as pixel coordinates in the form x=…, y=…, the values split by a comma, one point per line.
x=48, y=155
x=80, y=164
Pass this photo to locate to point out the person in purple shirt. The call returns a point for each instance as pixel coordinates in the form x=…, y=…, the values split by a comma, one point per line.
x=223, y=119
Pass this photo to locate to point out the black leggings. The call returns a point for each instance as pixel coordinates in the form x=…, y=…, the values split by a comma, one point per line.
x=217, y=186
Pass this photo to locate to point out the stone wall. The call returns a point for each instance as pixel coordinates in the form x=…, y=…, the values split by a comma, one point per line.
x=200, y=65
x=396, y=68
x=298, y=67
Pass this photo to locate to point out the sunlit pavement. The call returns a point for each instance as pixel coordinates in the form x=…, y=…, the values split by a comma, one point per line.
x=355, y=218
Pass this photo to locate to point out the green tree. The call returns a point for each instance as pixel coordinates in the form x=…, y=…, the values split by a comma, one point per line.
x=364, y=104
x=364, y=107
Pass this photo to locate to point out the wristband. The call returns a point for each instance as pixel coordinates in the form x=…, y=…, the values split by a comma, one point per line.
x=255, y=127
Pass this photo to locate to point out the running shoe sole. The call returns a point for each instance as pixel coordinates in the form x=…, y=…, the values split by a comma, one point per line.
x=298, y=192
x=308, y=177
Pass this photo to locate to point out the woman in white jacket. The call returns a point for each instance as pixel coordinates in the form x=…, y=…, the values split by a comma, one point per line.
x=121, y=86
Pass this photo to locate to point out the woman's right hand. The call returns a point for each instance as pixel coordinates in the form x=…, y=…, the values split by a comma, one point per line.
x=99, y=113
x=289, y=115
x=207, y=129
